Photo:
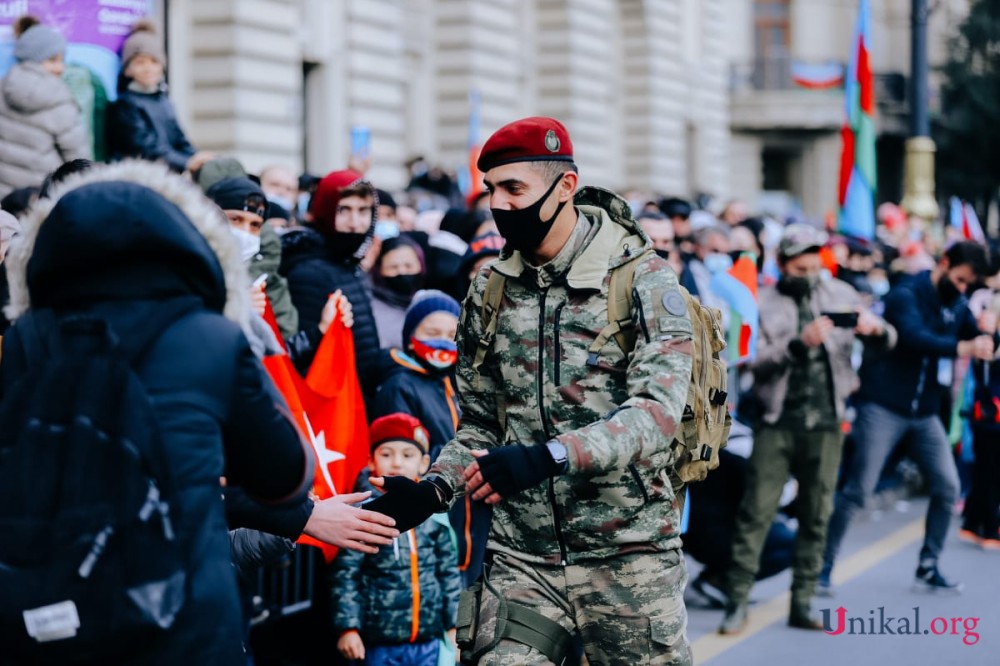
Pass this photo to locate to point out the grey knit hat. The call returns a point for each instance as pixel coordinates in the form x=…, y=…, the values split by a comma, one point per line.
x=143, y=40
x=38, y=43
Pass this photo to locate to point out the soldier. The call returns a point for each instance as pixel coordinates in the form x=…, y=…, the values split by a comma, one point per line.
x=565, y=433
x=802, y=379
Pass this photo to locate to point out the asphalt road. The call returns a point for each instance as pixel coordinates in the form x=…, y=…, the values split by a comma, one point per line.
x=873, y=584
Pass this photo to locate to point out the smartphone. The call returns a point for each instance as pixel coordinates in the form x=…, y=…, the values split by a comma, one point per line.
x=361, y=141
x=842, y=319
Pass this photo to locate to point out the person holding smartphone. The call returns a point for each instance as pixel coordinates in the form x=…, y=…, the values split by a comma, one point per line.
x=802, y=378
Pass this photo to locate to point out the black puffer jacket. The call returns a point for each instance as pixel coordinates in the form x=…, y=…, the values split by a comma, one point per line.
x=313, y=274
x=145, y=125
x=113, y=247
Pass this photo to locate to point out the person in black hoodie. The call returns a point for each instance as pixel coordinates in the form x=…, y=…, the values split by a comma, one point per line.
x=935, y=325
x=323, y=257
x=144, y=251
x=143, y=121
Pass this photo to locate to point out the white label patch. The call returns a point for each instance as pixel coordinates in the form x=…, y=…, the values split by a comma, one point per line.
x=52, y=622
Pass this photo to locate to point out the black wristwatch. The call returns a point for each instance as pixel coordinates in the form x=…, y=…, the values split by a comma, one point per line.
x=558, y=452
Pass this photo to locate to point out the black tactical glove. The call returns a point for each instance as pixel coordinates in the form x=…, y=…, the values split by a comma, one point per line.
x=516, y=467
x=407, y=502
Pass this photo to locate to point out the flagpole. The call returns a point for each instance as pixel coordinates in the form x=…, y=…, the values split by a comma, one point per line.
x=919, y=199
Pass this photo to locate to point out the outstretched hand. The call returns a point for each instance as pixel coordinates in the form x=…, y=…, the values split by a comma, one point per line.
x=336, y=522
x=408, y=502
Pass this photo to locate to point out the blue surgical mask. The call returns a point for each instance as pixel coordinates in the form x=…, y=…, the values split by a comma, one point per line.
x=386, y=229
x=879, y=287
x=717, y=263
x=303, y=204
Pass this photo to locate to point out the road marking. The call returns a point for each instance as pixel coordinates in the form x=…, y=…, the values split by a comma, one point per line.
x=775, y=610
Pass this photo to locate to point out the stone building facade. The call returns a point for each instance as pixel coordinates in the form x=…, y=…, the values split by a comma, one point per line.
x=641, y=84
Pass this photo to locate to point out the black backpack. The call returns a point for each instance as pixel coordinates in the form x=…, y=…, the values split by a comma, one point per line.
x=89, y=562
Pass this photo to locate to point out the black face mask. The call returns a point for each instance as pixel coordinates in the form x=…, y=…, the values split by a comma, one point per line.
x=947, y=292
x=404, y=285
x=663, y=254
x=797, y=286
x=345, y=245
x=523, y=229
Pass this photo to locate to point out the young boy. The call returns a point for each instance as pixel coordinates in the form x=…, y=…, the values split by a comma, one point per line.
x=394, y=606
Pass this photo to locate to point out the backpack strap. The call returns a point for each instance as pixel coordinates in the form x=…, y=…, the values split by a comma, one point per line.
x=490, y=315
x=620, y=325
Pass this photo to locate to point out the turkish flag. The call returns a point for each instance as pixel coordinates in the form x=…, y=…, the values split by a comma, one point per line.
x=329, y=408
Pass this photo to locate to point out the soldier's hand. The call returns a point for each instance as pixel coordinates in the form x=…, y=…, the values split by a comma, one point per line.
x=502, y=473
x=407, y=502
x=814, y=333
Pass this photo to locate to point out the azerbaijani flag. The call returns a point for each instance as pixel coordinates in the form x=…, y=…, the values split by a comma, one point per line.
x=857, y=161
x=963, y=217
x=472, y=177
x=738, y=288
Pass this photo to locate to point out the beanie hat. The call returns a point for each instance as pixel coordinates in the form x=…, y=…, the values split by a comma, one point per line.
x=143, y=40
x=489, y=244
x=36, y=42
x=536, y=139
x=398, y=427
x=232, y=194
x=218, y=169
x=425, y=302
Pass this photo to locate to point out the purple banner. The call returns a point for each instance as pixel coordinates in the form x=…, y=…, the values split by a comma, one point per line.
x=97, y=22
x=94, y=31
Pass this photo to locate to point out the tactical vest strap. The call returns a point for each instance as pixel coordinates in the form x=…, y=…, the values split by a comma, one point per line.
x=492, y=296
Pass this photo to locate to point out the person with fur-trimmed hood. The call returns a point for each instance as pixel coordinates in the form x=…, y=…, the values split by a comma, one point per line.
x=325, y=256
x=40, y=123
x=143, y=250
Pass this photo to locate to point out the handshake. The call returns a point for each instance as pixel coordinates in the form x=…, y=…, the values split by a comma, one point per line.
x=493, y=476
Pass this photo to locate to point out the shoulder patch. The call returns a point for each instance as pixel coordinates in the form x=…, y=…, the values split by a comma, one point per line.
x=673, y=303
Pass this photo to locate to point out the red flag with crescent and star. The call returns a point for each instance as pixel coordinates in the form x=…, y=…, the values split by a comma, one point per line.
x=329, y=408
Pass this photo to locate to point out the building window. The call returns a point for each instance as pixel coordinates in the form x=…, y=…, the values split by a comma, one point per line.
x=772, y=44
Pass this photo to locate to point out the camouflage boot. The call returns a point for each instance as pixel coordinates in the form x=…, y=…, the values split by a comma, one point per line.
x=801, y=616
x=735, y=619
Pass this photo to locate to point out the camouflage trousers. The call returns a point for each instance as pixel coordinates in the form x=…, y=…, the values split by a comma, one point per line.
x=627, y=610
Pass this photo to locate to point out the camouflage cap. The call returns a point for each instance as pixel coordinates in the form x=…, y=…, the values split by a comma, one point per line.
x=798, y=239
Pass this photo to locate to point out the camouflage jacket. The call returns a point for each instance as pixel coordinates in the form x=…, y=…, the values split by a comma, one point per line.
x=378, y=595
x=616, y=418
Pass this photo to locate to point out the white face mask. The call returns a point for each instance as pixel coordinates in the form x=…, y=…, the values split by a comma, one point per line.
x=287, y=204
x=249, y=244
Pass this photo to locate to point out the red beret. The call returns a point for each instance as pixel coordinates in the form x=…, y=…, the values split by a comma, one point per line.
x=533, y=139
x=398, y=427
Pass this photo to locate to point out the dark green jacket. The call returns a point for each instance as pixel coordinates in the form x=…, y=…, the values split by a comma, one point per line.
x=375, y=595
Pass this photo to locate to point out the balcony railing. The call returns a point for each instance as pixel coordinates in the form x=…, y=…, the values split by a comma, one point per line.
x=782, y=72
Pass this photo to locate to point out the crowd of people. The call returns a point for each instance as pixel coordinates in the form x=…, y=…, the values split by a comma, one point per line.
x=512, y=457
